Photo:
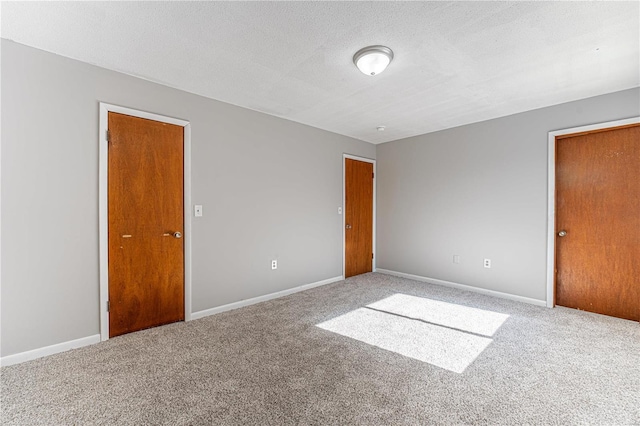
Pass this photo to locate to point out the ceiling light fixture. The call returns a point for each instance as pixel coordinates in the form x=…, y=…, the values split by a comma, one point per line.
x=372, y=60
x=380, y=128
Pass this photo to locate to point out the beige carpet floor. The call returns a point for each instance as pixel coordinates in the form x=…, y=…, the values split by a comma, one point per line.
x=371, y=350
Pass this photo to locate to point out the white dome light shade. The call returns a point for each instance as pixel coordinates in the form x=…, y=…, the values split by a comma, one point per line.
x=372, y=60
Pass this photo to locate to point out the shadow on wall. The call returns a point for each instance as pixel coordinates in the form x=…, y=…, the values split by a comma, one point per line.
x=443, y=334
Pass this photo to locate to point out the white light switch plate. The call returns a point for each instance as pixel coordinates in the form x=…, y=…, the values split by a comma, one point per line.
x=197, y=211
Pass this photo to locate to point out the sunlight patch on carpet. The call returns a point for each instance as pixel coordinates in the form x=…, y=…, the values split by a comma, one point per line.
x=464, y=318
x=446, y=335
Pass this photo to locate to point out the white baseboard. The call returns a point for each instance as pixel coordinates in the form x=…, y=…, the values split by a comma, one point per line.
x=494, y=293
x=90, y=340
x=49, y=350
x=254, y=300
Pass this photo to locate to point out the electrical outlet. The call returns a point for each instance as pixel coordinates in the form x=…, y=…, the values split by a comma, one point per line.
x=456, y=258
x=274, y=264
x=487, y=263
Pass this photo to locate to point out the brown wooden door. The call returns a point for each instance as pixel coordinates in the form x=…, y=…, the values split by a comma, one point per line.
x=358, y=217
x=598, y=207
x=146, y=256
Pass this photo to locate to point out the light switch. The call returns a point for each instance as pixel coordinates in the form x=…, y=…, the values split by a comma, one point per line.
x=339, y=210
x=197, y=211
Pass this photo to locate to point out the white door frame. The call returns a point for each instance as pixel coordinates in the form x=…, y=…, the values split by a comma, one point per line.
x=551, y=203
x=344, y=208
x=103, y=205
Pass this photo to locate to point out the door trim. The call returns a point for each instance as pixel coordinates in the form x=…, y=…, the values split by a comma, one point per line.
x=551, y=194
x=103, y=206
x=344, y=213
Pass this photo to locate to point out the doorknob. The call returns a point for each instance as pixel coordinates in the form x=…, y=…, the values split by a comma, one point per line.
x=175, y=234
x=348, y=226
x=562, y=233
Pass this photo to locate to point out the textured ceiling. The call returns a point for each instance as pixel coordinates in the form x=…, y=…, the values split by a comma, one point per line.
x=455, y=62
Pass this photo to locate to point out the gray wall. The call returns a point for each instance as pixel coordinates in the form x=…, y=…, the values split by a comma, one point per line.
x=479, y=191
x=269, y=187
